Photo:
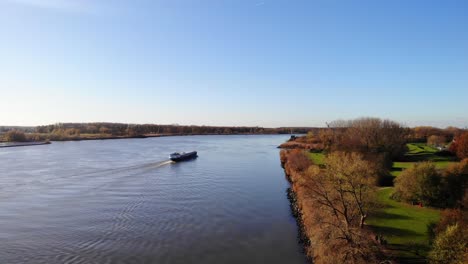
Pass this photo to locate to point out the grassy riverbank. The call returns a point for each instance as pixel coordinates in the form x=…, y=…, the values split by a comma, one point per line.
x=404, y=226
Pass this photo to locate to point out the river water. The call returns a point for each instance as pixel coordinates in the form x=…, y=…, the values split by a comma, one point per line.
x=122, y=201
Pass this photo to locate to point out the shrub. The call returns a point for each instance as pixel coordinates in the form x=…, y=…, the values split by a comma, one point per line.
x=451, y=217
x=450, y=246
x=15, y=136
x=455, y=178
x=420, y=183
x=299, y=160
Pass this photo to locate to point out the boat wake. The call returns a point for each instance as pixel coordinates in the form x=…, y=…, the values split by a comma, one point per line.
x=58, y=178
x=158, y=164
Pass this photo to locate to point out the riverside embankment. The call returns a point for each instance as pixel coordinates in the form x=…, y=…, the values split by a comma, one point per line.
x=299, y=201
x=331, y=205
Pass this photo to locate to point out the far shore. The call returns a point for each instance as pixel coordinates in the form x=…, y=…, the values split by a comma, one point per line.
x=22, y=144
x=38, y=143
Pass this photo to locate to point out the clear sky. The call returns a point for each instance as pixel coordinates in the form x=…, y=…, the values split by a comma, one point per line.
x=233, y=62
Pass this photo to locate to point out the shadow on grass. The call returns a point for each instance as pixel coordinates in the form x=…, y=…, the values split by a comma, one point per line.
x=387, y=231
x=407, y=252
x=386, y=215
x=426, y=156
x=385, y=206
x=386, y=180
x=418, y=157
x=411, y=253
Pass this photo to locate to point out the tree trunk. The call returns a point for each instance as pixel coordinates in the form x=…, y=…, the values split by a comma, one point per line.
x=363, y=219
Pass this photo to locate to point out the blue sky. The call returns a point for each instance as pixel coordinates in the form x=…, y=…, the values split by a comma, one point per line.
x=233, y=62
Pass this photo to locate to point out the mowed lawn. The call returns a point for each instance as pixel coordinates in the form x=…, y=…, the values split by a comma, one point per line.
x=404, y=226
x=398, y=167
x=421, y=152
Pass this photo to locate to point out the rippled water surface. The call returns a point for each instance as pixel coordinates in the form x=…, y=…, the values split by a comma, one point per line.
x=122, y=201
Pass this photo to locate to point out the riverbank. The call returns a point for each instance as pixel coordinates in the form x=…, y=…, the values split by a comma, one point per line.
x=44, y=138
x=22, y=144
x=320, y=238
x=302, y=142
x=300, y=206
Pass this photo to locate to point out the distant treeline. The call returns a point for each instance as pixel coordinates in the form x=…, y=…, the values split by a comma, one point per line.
x=79, y=131
x=422, y=133
x=71, y=131
x=120, y=129
x=25, y=129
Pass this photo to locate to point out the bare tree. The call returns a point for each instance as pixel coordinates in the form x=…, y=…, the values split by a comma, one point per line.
x=344, y=194
x=345, y=187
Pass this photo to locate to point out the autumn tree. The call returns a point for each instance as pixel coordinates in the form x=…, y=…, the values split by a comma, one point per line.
x=452, y=132
x=383, y=136
x=310, y=135
x=15, y=136
x=344, y=192
x=419, y=183
x=450, y=217
x=92, y=129
x=462, y=146
x=436, y=141
x=299, y=160
x=73, y=132
x=351, y=182
x=369, y=135
x=450, y=246
x=455, y=183
x=104, y=130
x=326, y=136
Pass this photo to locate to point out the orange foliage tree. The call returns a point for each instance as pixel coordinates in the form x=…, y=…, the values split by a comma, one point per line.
x=461, y=146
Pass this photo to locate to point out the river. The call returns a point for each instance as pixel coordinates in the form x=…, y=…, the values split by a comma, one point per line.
x=122, y=201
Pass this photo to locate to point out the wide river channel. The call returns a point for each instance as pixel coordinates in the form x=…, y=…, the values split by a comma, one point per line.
x=123, y=201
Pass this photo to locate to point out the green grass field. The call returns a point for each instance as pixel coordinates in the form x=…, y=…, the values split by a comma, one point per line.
x=421, y=152
x=398, y=167
x=420, y=148
x=417, y=151
x=404, y=226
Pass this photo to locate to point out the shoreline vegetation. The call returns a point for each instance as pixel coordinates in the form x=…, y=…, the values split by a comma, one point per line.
x=22, y=144
x=6, y=144
x=373, y=191
x=29, y=136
